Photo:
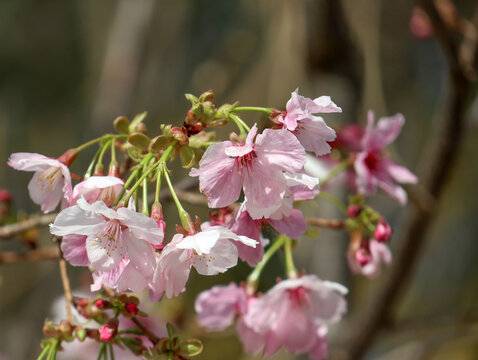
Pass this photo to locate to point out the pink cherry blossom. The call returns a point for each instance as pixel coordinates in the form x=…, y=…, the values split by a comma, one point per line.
x=211, y=251
x=373, y=168
x=112, y=235
x=51, y=182
x=312, y=131
x=257, y=167
x=367, y=260
x=290, y=314
x=218, y=306
x=95, y=188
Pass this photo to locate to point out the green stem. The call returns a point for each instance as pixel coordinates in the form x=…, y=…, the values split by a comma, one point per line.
x=46, y=349
x=102, y=153
x=136, y=197
x=239, y=122
x=113, y=151
x=102, y=353
x=145, y=197
x=92, y=142
x=290, y=269
x=183, y=214
x=92, y=163
x=112, y=354
x=335, y=171
x=332, y=199
x=268, y=111
x=158, y=186
x=132, y=176
x=54, y=349
x=253, y=278
x=162, y=160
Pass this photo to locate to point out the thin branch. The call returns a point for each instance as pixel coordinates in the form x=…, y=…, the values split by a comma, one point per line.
x=328, y=223
x=66, y=285
x=10, y=257
x=11, y=230
x=445, y=148
x=154, y=339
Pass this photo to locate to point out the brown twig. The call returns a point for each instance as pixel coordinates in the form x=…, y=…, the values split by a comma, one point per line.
x=11, y=230
x=66, y=285
x=444, y=152
x=10, y=257
x=154, y=339
x=328, y=223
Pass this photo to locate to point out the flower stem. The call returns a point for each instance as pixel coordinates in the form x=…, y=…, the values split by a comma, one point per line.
x=335, y=171
x=91, y=142
x=145, y=197
x=112, y=354
x=185, y=218
x=158, y=186
x=102, y=153
x=46, y=349
x=253, y=278
x=89, y=171
x=253, y=108
x=113, y=151
x=290, y=269
x=240, y=123
x=54, y=350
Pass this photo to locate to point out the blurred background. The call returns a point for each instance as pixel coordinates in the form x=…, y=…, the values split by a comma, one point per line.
x=68, y=68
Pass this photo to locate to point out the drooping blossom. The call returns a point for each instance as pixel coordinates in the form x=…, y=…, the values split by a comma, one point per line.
x=112, y=235
x=294, y=314
x=367, y=258
x=312, y=131
x=211, y=251
x=51, y=182
x=257, y=167
x=95, y=188
x=373, y=168
x=291, y=313
x=217, y=307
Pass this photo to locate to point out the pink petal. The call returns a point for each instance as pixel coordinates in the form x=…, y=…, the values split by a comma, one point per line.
x=292, y=226
x=73, y=248
x=399, y=173
x=313, y=133
x=386, y=131
x=222, y=257
x=242, y=150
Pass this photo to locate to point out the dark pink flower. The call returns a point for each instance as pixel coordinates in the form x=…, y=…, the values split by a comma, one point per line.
x=373, y=168
x=367, y=258
x=383, y=231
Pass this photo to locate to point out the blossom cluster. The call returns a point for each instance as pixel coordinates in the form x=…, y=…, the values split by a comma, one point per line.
x=254, y=179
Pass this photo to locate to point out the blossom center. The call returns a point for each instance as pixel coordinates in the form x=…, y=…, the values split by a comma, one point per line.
x=109, y=238
x=107, y=195
x=372, y=159
x=245, y=162
x=49, y=178
x=300, y=296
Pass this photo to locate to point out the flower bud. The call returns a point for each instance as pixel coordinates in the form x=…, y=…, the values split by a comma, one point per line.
x=5, y=196
x=121, y=125
x=383, y=232
x=180, y=135
x=131, y=308
x=68, y=157
x=354, y=210
x=102, y=304
x=362, y=257
x=157, y=215
x=108, y=331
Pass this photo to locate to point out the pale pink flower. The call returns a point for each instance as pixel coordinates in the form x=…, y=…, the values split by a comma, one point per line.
x=290, y=314
x=367, y=260
x=218, y=307
x=111, y=234
x=211, y=251
x=373, y=168
x=312, y=131
x=258, y=167
x=98, y=188
x=95, y=188
x=51, y=181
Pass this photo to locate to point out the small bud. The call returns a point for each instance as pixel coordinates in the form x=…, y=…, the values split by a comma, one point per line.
x=206, y=96
x=108, y=331
x=180, y=135
x=80, y=333
x=114, y=169
x=99, y=170
x=157, y=215
x=354, y=210
x=131, y=308
x=5, y=196
x=383, y=231
x=121, y=125
x=191, y=98
x=102, y=304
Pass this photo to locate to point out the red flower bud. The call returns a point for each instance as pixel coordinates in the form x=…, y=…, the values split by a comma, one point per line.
x=131, y=308
x=354, y=210
x=383, y=232
x=108, y=331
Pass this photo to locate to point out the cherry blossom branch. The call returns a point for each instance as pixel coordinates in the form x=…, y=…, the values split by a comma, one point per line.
x=10, y=257
x=153, y=338
x=11, y=230
x=66, y=285
x=328, y=223
x=445, y=148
